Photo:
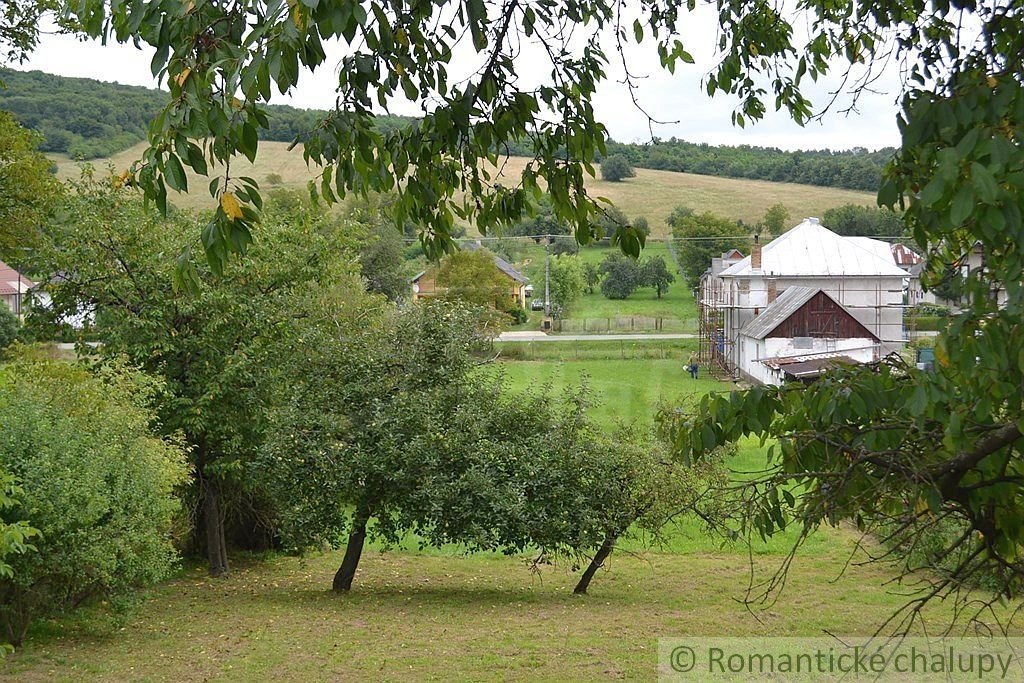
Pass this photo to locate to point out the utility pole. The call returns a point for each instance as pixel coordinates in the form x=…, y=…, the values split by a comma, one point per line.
x=547, y=276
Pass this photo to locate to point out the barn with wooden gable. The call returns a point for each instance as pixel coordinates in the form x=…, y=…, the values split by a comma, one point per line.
x=803, y=332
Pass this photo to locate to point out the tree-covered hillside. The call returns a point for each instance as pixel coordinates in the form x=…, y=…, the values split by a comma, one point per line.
x=857, y=169
x=87, y=119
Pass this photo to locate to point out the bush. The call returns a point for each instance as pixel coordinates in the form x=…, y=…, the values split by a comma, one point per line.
x=9, y=325
x=518, y=315
x=616, y=168
x=275, y=179
x=94, y=481
x=931, y=310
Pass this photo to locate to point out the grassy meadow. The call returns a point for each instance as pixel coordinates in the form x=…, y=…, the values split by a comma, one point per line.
x=439, y=614
x=651, y=193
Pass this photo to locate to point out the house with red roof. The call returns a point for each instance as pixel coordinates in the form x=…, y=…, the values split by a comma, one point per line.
x=15, y=289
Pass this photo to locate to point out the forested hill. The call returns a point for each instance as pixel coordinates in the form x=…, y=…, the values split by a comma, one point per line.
x=88, y=119
x=857, y=169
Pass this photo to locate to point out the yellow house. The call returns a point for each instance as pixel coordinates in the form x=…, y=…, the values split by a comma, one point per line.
x=424, y=285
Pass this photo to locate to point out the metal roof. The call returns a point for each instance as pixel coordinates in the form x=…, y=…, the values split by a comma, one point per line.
x=810, y=249
x=778, y=311
x=12, y=282
x=815, y=366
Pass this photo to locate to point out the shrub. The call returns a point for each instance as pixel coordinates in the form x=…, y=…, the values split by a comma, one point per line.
x=517, y=314
x=274, y=179
x=616, y=168
x=94, y=481
x=9, y=325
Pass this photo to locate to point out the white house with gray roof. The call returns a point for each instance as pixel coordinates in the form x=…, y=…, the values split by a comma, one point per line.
x=806, y=296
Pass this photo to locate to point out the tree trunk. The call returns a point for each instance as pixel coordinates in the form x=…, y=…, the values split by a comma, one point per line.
x=353, y=551
x=599, y=557
x=213, y=521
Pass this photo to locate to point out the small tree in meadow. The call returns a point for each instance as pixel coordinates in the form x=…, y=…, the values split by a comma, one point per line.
x=616, y=168
x=620, y=276
x=593, y=274
x=655, y=273
x=568, y=280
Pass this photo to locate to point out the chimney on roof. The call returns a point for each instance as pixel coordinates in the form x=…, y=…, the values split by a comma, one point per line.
x=755, y=253
x=815, y=221
x=773, y=290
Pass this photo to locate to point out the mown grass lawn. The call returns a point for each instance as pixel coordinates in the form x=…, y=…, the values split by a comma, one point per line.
x=624, y=390
x=439, y=614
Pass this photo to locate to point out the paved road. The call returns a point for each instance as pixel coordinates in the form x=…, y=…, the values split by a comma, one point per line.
x=542, y=337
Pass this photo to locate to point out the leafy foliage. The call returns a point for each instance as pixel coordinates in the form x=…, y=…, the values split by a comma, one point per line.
x=568, y=280
x=654, y=273
x=616, y=168
x=700, y=237
x=381, y=259
x=620, y=276
x=866, y=221
x=776, y=218
x=19, y=28
x=471, y=276
x=213, y=348
x=27, y=190
x=393, y=423
x=9, y=326
x=93, y=480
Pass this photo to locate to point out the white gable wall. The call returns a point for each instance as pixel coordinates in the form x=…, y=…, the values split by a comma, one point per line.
x=752, y=351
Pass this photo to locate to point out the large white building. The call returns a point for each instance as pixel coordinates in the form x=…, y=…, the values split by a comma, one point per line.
x=809, y=296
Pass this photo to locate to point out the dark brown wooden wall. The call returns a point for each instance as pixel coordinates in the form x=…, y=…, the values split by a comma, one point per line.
x=821, y=317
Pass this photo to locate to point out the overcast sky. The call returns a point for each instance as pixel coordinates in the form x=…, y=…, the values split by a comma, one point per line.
x=677, y=99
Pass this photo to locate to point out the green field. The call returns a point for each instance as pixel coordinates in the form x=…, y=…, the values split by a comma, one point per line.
x=624, y=390
x=652, y=194
x=676, y=307
x=441, y=614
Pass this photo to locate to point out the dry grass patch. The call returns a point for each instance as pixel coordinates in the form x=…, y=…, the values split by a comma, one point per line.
x=422, y=616
x=651, y=193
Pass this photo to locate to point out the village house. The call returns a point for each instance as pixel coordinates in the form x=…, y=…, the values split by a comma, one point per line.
x=971, y=262
x=424, y=285
x=15, y=290
x=806, y=300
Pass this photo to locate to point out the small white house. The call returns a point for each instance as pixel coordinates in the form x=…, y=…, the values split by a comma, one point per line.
x=799, y=335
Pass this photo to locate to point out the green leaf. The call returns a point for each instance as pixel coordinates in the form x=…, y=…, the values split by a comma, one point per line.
x=963, y=205
x=175, y=174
